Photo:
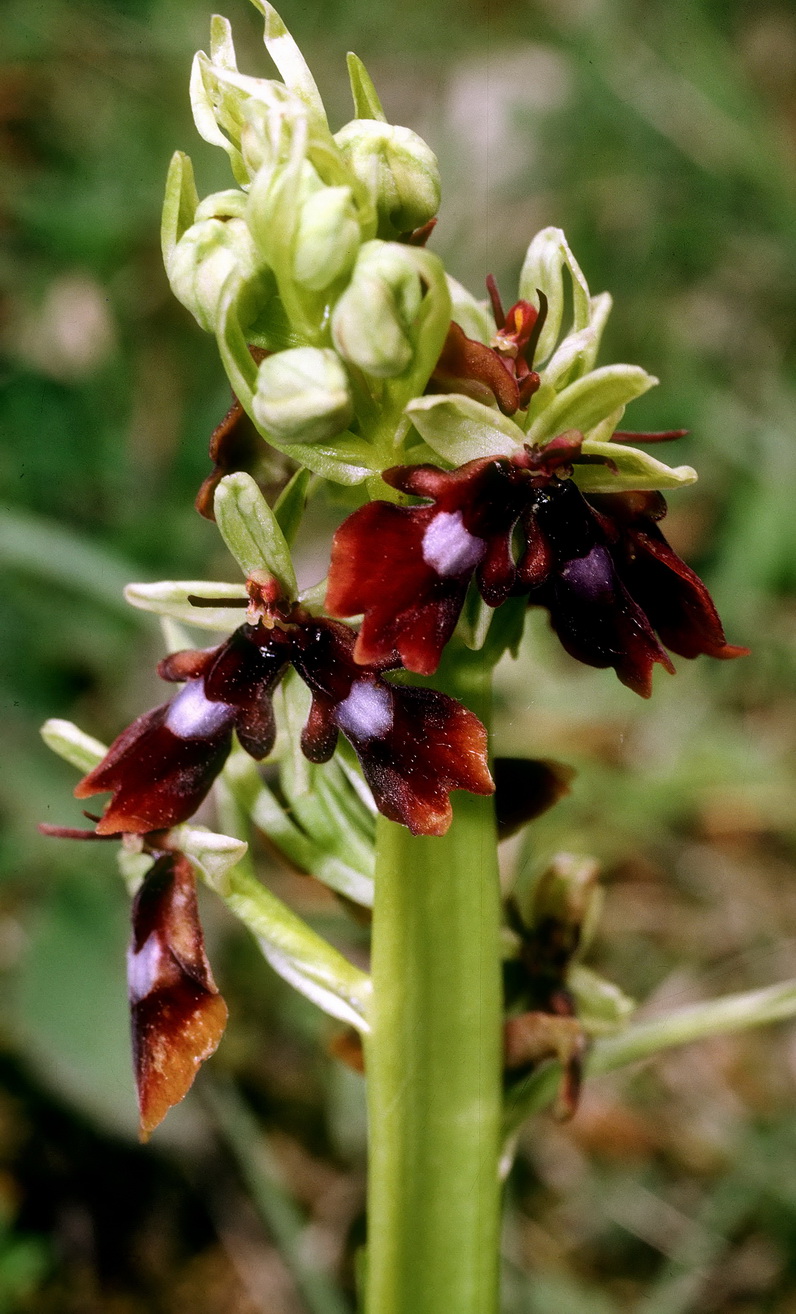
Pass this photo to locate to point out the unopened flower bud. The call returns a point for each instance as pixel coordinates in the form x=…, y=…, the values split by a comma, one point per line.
x=209, y=254
x=399, y=170
x=303, y=395
x=327, y=239
x=373, y=320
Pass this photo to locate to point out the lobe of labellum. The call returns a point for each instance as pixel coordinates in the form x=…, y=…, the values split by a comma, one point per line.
x=177, y=1014
x=159, y=777
x=674, y=598
x=383, y=565
x=414, y=745
x=161, y=767
x=599, y=623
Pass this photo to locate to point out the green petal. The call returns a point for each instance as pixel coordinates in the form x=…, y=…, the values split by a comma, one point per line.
x=461, y=429
x=170, y=598
x=636, y=471
x=587, y=401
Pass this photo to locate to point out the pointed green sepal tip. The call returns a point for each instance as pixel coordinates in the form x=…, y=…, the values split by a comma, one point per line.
x=72, y=744
x=628, y=469
x=180, y=204
x=363, y=93
x=251, y=532
x=170, y=598
x=290, y=62
x=212, y=855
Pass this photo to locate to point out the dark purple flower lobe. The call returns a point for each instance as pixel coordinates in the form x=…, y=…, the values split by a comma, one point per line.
x=673, y=597
x=177, y=1015
x=162, y=766
x=406, y=569
x=414, y=745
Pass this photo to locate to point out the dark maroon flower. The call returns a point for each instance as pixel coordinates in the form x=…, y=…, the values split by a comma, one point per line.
x=501, y=372
x=612, y=584
x=674, y=598
x=591, y=610
x=177, y=1015
x=408, y=568
x=162, y=766
x=414, y=745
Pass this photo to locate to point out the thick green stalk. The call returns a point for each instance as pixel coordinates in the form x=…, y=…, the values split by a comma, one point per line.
x=434, y=1057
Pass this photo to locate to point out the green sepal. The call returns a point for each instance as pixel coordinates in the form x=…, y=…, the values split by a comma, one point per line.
x=72, y=744
x=363, y=93
x=180, y=204
x=587, y=401
x=212, y=855
x=291, y=63
x=636, y=470
x=170, y=598
x=461, y=429
x=250, y=530
x=545, y=261
x=289, y=506
x=576, y=354
x=205, y=116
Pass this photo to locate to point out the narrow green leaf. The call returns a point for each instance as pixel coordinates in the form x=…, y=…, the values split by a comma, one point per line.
x=251, y=532
x=366, y=101
x=63, y=559
x=635, y=470
x=462, y=429
x=72, y=744
x=169, y=597
x=587, y=401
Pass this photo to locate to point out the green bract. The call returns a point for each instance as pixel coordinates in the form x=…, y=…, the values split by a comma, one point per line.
x=302, y=395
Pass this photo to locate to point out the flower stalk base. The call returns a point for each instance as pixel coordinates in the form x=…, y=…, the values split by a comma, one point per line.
x=434, y=1057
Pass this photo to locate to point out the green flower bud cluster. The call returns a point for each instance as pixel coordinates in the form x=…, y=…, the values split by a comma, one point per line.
x=304, y=260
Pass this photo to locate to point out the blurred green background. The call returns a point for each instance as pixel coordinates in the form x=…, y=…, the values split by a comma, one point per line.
x=661, y=135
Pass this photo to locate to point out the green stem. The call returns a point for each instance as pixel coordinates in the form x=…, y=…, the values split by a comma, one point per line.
x=433, y=1058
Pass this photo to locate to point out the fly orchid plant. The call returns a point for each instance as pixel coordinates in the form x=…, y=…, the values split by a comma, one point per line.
x=481, y=450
